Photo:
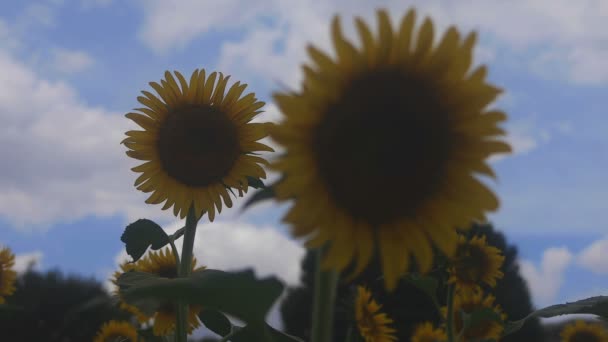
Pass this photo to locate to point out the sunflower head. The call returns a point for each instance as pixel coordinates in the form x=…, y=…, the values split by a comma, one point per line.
x=163, y=264
x=126, y=267
x=383, y=143
x=425, y=332
x=115, y=331
x=7, y=274
x=475, y=262
x=469, y=302
x=580, y=331
x=197, y=142
x=373, y=325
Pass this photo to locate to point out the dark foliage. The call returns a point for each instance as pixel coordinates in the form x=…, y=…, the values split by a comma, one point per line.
x=57, y=308
x=407, y=305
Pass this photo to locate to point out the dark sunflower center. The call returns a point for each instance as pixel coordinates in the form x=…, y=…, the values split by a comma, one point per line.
x=381, y=148
x=471, y=263
x=584, y=336
x=198, y=145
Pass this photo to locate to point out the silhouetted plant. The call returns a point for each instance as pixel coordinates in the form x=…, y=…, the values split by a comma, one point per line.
x=407, y=305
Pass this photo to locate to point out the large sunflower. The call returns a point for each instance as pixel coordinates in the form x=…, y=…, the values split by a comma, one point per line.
x=7, y=274
x=373, y=324
x=469, y=302
x=580, y=331
x=197, y=142
x=382, y=144
x=475, y=262
x=163, y=264
x=425, y=332
x=115, y=331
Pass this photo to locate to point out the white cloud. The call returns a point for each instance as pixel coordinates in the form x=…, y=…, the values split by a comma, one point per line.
x=25, y=261
x=546, y=280
x=71, y=61
x=594, y=257
x=572, y=34
x=61, y=158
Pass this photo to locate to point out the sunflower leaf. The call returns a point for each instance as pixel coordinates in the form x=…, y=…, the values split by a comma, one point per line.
x=140, y=235
x=255, y=183
x=260, y=195
x=426, y=284
x=472, y=319
x=250, y=333
x=215, y=321
x=594, y=305
x=238, y=294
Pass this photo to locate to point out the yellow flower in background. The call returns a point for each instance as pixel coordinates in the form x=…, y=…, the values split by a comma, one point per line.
x=475, y=262
x=373, y=325
x=162, y=263
x=115, y=331
x=383, y=143
x=425, y=332
x=470, y=302
x=7, y=274
x=197, y=142
x=126, y=267
x=580, y=331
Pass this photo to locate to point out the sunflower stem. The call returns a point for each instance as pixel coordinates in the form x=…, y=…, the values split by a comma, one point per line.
x=450, y=314
x=324, y=298
x=184, y=269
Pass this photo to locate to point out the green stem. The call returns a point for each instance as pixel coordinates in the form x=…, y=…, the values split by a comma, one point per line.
x=324, y=300
x=450, y=313
x=181, y=334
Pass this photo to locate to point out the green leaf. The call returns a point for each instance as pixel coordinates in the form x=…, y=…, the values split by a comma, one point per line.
x=594, y=305
x=140, y=235
x=473, y=319
x=426, y=284
x=216, y=321
x=260, y=195
x=148, y=336
x=255, y=183
x=238, y=294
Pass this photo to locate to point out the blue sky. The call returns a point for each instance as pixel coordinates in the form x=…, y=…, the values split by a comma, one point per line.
x=72, y=68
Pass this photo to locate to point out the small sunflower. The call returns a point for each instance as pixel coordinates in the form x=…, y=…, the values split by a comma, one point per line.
x=373, y=325
x=7, y=274
x=115, y=331
x=581, y=331
x=383, y=144
x=197, y=142
x=126, y=267
x=163, y=264
x=475, y=262
x=474, y=301
x=426, y=333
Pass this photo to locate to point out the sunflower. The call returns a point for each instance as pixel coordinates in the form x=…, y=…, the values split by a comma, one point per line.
x=475, y=262
x=126, y=267
x=163, y=264
x=426, y=333
x=115, y=331
x=468, y=302
x=197, y=142
x=7, y=274
x=382, y=144
x=372, y=324
x=580, y=331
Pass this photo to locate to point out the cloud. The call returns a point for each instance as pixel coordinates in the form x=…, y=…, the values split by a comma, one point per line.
x=570, y=34
x=61, y=158
x=25, y=261
x=594, y=257
x=71, y=61
x=546, y=280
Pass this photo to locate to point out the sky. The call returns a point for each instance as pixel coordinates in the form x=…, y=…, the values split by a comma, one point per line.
x=71, y=69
